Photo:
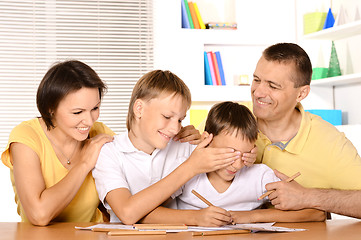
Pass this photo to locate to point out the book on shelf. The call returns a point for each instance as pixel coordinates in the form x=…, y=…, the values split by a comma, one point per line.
x=186, y=5
x=207, y=71
x=200, y=20
x=213, y=69
x=216, y=70
x=220, y=67
x=193, y=15
x=185, y=21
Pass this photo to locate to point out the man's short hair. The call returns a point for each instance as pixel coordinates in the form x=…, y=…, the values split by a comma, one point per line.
x=291, y=53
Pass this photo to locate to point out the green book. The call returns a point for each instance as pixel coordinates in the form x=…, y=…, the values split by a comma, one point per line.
x=189, y=14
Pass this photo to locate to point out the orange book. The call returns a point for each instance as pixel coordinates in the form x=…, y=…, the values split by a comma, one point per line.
x=194, y=15
x=216, y=69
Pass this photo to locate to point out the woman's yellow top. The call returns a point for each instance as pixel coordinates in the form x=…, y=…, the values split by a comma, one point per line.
x=83, y=208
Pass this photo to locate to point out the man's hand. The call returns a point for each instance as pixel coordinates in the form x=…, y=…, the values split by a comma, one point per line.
x=250, y=158
x=287, y=195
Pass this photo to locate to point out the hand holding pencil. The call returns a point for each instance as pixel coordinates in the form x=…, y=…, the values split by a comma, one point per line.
x=212, y=216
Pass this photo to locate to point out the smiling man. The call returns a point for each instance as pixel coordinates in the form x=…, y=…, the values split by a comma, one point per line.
x=292, y=140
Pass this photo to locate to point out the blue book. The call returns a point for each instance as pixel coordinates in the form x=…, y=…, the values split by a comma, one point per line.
x=207, y=71
x=220, y=67
x=185, y=21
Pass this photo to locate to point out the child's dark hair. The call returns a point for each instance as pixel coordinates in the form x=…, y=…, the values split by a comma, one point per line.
x=230, y=117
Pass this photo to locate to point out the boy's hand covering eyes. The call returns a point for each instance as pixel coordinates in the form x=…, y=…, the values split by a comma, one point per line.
x=248, y=158
x=207, y=159
x=188, y=134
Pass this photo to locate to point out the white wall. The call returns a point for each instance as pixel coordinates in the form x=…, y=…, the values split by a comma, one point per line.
x=7, y=202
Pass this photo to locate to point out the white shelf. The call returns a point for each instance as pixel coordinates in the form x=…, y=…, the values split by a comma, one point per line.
x=222, y=37
x=221, y=93
x=337, y=32
x=338, y=81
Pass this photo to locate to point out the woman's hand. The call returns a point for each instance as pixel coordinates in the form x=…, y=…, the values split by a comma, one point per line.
x=91, y=148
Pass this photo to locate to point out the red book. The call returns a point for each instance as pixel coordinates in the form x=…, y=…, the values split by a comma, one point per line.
x=194, y=15
x=216, y=69
x=211, y=68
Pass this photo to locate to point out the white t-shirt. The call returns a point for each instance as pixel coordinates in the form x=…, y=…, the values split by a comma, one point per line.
x=121, y=165
x=247, y=186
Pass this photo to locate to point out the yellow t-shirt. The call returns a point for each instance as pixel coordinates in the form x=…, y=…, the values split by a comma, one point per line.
x=323, y=155
x=83, y=208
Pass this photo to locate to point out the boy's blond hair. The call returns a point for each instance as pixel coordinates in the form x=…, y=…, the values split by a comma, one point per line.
x=152, y=84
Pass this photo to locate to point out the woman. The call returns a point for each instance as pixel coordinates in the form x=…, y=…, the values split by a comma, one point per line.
x=51, y=157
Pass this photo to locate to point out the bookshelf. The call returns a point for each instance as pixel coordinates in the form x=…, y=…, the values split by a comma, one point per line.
x=341, y=92
x=182, y=50
x=332, y=34
x=239, y=54
x=338, y=81
x=336, y=33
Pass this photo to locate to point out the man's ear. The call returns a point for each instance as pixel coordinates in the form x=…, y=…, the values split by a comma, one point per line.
x=303, y=93
x=138, y=108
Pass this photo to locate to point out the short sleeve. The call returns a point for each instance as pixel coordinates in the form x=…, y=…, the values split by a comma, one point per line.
x=108, y=172
x=268, y=177
x=25, y=134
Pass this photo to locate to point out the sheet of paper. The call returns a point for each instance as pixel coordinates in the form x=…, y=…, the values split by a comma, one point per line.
x=265, y=227
x=254, y=227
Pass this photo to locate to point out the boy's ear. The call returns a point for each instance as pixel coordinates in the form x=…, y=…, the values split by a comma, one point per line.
x=138, y=108
x=204, y=135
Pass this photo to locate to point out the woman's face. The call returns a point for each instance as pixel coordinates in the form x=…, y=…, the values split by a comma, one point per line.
x=77, y=112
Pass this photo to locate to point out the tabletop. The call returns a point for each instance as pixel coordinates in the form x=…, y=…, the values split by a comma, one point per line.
x=344, y=229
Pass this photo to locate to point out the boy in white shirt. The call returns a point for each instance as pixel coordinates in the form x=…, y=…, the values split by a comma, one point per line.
x=139, y=170
x=236, y=187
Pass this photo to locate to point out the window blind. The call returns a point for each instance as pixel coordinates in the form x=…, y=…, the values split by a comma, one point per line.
x=115, y=38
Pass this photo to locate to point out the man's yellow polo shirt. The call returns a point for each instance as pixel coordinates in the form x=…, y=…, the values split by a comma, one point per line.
x=323, y=155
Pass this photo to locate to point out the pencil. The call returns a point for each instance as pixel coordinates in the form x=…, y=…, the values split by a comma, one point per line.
x=135, y=232
x=159, y=226
x=110, y=229
x=220, y=232
x=205, y=200
x=202, y=198
x=287, y=180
